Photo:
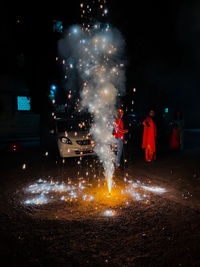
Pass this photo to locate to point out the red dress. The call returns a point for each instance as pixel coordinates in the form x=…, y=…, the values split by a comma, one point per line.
x=149, y=137
x=174, y=139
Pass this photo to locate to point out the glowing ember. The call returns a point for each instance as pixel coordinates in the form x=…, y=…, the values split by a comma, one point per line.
x=24, y=166
x=109, y=213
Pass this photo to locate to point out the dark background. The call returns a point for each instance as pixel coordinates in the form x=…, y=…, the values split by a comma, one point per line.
x=162, y=46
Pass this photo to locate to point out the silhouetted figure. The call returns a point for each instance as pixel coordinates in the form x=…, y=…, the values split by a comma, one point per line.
x=180, y=126
x=174, y=141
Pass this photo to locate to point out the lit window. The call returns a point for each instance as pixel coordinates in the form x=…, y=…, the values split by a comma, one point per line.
x=57, y=26
x=23, y=103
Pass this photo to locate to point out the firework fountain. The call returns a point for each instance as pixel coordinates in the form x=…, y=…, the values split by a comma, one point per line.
x=93, y=54
x=97, y=51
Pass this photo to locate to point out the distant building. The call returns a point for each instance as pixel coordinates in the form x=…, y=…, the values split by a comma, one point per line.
x=16, y=118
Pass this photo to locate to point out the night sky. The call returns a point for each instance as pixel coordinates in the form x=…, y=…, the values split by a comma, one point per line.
x=162, y=38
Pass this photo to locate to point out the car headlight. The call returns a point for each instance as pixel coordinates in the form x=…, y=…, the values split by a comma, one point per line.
x=65, y=140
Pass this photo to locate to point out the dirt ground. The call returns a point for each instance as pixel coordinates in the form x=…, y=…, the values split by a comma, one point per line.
x=164, y=232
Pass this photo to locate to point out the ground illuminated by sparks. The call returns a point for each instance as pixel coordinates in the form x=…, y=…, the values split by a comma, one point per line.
x=89, y=197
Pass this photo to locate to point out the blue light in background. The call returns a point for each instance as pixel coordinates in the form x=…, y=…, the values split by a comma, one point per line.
x=53, y=87
x=57, y=26
x=75, y=29
x=23, y=103
x=83, y=41
x=166, y=110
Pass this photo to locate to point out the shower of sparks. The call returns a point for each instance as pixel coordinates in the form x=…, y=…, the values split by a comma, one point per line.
x=96, y=51
x=108, y=213
x=154, y=189
x=89, y=196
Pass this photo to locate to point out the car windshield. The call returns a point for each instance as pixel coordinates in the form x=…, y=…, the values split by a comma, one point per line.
x=73, y=125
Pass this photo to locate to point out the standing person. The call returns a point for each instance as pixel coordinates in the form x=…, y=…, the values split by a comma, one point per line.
x=149, y=137
x=174, y=141
x=180, y=124
x=119, y=135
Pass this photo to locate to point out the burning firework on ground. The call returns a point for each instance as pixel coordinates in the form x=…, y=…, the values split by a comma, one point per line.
x=96, y=51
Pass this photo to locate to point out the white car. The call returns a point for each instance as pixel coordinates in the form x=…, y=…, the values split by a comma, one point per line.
x=73, y=139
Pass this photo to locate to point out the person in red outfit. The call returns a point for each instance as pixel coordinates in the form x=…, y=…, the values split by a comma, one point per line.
x=174, y=141
x=149, y=137
x=119, y=135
